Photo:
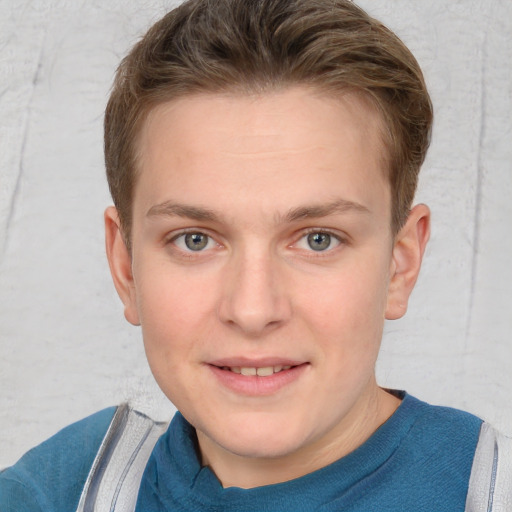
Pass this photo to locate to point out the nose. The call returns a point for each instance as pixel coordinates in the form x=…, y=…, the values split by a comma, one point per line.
x=254, y=297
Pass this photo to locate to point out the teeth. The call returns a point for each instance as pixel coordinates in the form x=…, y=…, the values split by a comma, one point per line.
x=265, y=371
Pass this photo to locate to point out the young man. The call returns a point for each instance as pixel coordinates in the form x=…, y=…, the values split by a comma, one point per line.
x=263, y=157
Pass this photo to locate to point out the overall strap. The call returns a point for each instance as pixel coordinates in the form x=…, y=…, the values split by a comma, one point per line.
x=490, y=483
x=114, y=479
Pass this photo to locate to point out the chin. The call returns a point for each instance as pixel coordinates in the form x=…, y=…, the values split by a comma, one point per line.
x=260, y=440
x=261, y=449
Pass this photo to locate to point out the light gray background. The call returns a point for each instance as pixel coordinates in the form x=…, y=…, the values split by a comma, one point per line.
x=65, y=349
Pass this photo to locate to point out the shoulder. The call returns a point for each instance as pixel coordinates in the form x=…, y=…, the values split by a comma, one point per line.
x=430, y=466
x=441, y=438
x=50, y=476
x=443, y=423
x=490, y=481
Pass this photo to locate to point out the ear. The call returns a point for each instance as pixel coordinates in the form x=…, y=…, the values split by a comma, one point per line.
x=120, y=263
x=408, y=251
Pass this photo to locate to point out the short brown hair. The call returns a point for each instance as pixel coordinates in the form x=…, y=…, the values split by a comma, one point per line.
x=249, y=46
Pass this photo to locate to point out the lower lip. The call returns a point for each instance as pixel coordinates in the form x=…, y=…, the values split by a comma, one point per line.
x=255, y=385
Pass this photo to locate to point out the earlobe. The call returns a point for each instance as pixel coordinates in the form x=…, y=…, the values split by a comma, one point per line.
x=408, y=251
x=120, y=263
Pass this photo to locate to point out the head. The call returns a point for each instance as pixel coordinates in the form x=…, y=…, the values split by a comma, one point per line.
x=245, y=47
x=263, y=156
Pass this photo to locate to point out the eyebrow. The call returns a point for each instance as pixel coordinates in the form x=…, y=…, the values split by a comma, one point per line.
x=171, y=209
x=324, y=210
x=168, y=208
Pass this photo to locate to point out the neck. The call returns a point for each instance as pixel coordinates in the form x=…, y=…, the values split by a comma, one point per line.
x=357, y=426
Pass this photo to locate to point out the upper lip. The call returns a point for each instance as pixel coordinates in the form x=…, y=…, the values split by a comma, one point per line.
x=245, y=362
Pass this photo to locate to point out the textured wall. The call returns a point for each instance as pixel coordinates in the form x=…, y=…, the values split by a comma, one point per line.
x=65, y=349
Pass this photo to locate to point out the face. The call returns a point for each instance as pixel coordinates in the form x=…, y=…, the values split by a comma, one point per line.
x=261, y=266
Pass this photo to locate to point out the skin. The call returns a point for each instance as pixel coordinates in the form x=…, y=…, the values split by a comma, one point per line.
x=257, y=175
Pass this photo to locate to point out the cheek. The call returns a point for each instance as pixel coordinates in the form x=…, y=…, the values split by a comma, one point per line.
x=355, y=299
x=349, y=309
x=176, y=314
x=170, y=322
x=169, y=298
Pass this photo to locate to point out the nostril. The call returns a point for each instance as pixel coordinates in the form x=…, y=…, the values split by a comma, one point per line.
x=252, y=298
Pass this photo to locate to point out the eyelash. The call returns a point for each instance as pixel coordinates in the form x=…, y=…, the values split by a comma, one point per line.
x=311, y=231
x=304, y=234
x=184, y=253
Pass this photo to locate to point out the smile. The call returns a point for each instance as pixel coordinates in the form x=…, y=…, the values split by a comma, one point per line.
x=248, y=371
x=262, y=378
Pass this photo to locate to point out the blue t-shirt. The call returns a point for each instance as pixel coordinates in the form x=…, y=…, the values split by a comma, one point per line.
x=419, y=460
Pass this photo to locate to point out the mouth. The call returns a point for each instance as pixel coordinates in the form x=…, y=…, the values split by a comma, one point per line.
x=261, y=378
x=260, y=371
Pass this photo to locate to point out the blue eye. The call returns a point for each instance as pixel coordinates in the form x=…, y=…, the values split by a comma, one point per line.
x=193, y=241
x=318, y=241
x=196, y=241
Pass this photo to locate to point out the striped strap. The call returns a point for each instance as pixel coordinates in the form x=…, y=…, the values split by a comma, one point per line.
x=490, y=484
x=114, y=479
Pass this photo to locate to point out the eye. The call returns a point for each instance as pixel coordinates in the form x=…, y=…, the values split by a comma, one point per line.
x=318, y=241
x=195, y=242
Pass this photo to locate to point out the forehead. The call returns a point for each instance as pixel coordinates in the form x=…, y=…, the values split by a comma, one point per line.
x=301, y=141
x=257, y=113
